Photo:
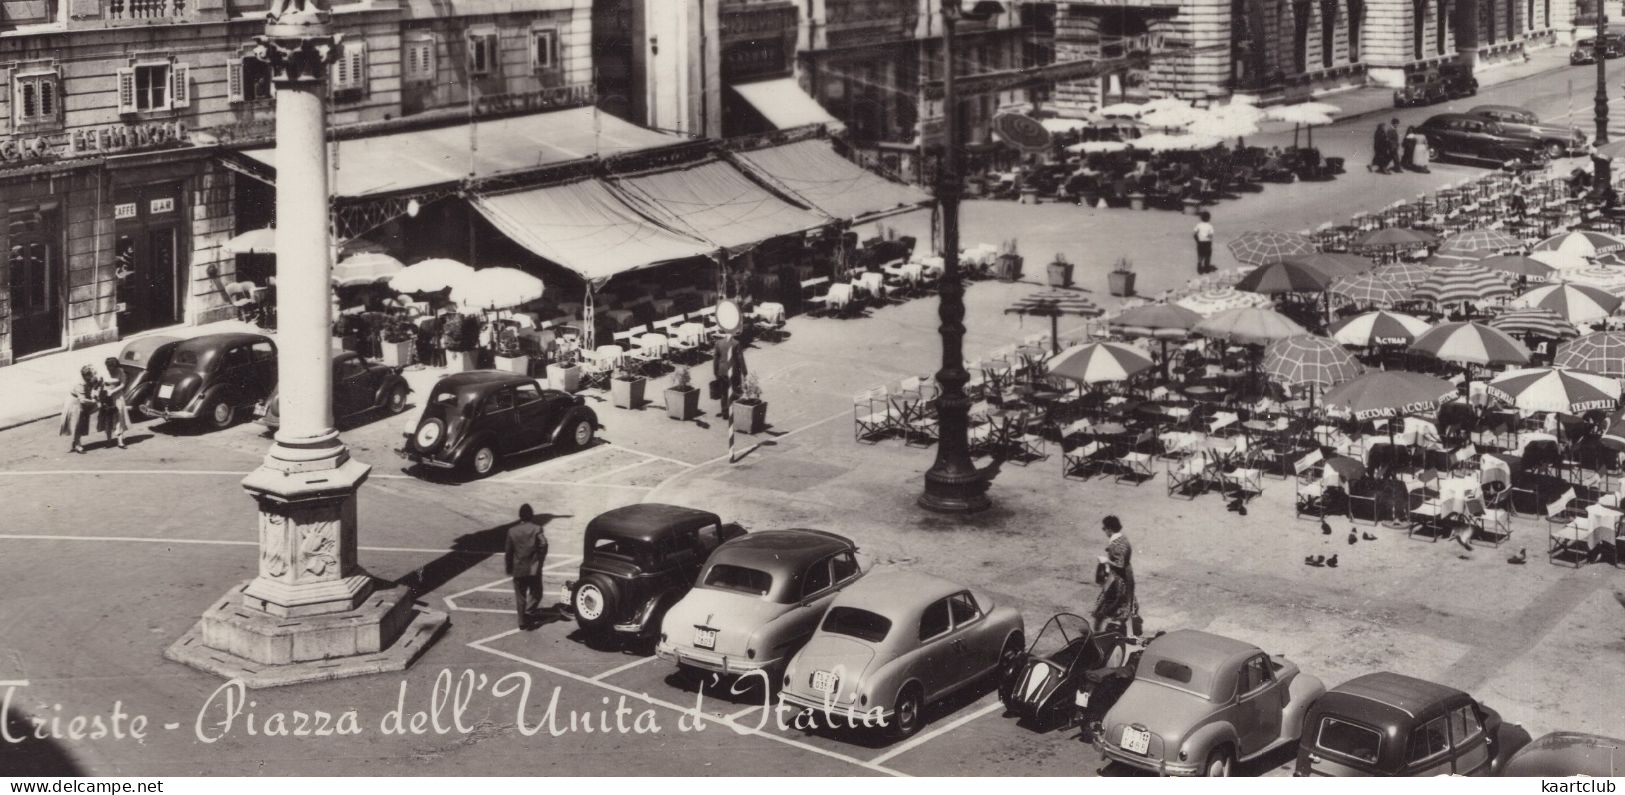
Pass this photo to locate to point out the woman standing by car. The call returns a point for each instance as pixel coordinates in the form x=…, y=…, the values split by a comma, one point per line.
x=1116, y=603
x=113, y=412
x=76, y=409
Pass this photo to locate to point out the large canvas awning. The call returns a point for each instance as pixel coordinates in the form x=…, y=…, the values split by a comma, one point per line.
x=406, y=161
x=814, y=171
x=714, y=201
x=585, y=227
x=784, y=104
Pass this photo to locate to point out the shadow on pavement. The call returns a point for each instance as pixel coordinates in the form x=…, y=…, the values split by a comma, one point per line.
x=33, y=756
x=466, y=552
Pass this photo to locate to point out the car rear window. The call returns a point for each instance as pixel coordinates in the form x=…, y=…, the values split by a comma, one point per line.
x=856, y=623
x=739, y=578
x=1349, y=739
x=1170, y=670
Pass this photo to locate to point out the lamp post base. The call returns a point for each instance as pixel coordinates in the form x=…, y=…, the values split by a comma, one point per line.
x=955, y=493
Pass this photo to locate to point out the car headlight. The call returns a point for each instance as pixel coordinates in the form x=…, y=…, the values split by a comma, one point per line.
x=1183, y=755
x=751, y=653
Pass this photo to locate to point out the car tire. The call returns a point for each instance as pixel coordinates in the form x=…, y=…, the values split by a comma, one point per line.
x=1435, y=154
x=429, y=436
x=480, y=461
x=907, y=715
x=594, y=602
x=396, y=402
x=578, y=434
x=1219, y=763
x=1555, y=149
x=218, y=413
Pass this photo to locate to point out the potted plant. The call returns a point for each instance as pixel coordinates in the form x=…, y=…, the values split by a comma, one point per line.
x=1009, y=263
x=563, y=373
x=461, y=332
x=626, y=389
x=510, y=355
x=1121, y=279
x=1060, y=271
x=682, y=398
x=400, y=338
x=750, y=411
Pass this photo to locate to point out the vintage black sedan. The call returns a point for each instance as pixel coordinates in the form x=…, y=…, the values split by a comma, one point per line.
x=214, y=378
x=474, y=420
x=1388, y=724
x=1469, y=137
x=1560, y=140
x=140, y=363
x=359, y=386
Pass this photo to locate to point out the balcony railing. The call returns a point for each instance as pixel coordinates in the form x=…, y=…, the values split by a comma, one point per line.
x=148, y=10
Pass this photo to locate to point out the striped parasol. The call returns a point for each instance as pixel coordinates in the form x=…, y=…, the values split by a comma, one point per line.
x=1369, y=289
x=1600, y=352
x=1259, y=247
x=1471, y=343
x=1053, y=304
x=1582, y=242
x=1098, y=362
x=1467, y=283
x=1379, y=328
x=1308, y=360
x=1396, y=237
x=1219, y=299
x=1563, y=262
x=1249, y=326
x=1576, y=303
x=1159, y=321
x=1387, y=393
x=1408, y=275
x=1554, y=389
x=1333, y=263
x=1487, y=242
x=1530, y=322
x=1284, y=276
x=1518, y=265
x=1602, y=277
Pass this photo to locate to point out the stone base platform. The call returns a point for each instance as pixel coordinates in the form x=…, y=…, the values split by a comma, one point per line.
x=385, y=633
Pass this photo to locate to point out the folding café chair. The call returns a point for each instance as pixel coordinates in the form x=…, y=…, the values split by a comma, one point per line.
x=1426, y=515
x=1086, y=460
x=1187, y=477
x=872, y=417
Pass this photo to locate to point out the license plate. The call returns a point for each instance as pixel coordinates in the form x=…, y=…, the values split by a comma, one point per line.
x=824, y=681
x=1081, y=699
x=1136, y=741
x=165, y=390
x=260, y=409
x=705, y=638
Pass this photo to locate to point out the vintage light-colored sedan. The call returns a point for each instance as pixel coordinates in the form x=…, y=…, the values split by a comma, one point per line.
x=1200, y=703
x=757, y=601
x=899, y=640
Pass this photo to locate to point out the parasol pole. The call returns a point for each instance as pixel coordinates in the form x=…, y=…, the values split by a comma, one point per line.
x=1055, y=332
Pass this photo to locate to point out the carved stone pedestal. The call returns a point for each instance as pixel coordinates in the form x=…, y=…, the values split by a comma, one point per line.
x=312, y=613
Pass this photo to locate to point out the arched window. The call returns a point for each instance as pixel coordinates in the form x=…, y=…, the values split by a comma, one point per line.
x=1356, y=19
x=1419, y=10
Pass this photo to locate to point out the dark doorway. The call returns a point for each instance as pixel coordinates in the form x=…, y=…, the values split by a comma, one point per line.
x=149, y=256
x=35, y=262
x=1356, y=19
x=1300, y=36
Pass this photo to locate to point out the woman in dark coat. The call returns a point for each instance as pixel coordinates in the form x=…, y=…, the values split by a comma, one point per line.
x=1116, y=603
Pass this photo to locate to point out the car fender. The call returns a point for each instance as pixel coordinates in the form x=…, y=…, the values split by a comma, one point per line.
x=1204, y=739
x=1302, y=693
x=386, y=386
x=209, y=392
x=570, y=418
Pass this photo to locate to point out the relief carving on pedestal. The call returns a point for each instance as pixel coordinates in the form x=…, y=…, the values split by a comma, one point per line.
x=319, y=548
x=273, y=545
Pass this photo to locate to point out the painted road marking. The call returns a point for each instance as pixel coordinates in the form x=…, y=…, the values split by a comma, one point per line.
x=703, y=464
x=214, y=542
x=575, y=458
x=618, y=470
x=627, y=667
x=746, y=711
x=678, y=462
x=504, y=585
x=648, y=699
x=569, y=483
x=921, y=739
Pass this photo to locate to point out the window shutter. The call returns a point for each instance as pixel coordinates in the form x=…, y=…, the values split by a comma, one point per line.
x=126, y=90
x=357, y=56
x=180, y=76
x=16, y=97
x=234, y=80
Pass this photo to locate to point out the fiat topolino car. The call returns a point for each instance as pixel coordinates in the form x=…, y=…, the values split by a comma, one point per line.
x=475, y=420
x=1388, y=724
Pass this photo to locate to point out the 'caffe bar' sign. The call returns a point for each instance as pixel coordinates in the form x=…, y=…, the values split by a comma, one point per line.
x=112, y=139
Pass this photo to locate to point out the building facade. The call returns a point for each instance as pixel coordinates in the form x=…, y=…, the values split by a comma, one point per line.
x=114, y=201
x=657, y=63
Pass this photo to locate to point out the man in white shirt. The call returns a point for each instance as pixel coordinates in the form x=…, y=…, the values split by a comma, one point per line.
x=1204, y=244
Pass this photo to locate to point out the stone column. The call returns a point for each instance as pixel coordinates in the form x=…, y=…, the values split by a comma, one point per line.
x=312, y=612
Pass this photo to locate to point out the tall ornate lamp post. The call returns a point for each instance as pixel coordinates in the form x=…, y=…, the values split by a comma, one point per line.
x=312, y=612
x=1602, y=72
x=953, y=484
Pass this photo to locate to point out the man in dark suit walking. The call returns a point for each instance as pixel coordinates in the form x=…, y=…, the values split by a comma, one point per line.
x=523, y=558
x=728, y=366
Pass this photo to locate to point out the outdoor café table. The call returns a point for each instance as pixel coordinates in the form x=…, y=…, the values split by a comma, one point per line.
x=1459, y=495
x=1179, y=442
x=872, y=282
x=1205, y=393
x=663, y=306
x=1492, y=469
x=769, y=312
x=1108, y=429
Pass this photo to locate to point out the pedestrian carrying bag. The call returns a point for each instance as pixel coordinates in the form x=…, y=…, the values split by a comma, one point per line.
x=716, y=389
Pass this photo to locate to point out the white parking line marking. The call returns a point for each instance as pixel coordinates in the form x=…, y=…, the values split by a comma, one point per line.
x=627, y=667
x=740, y=455
x=570, y=483
x=921, y=739
x=648, y=699
x=538, y=467
x=507, y=612
x=651, y=455
x=13, y=683
x=618, y=470
x=746, y=711
x=506, y=581
x=215, y=542
x=31, y=472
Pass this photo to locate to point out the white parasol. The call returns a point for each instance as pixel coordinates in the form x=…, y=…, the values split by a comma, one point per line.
x=429, y=276
x=496, y=288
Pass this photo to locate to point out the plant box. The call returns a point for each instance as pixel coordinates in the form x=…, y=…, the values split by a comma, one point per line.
x=514, y=364
x=683, y=404
x=1008, y=267
x=564, y=377
x=397, y=354
x=1060, y=274
x=750, y=417
x=1136, y=201
x=462, y=361
x=626, y=393
x=352, y=343
x=1121, y=282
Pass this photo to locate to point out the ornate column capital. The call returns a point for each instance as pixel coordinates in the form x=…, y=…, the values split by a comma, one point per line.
x=298, y=43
